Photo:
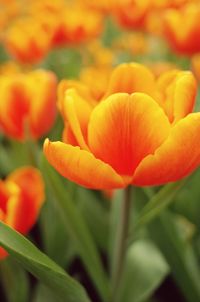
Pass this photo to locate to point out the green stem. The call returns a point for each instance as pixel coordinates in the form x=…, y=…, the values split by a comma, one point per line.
x=32, y=151
x=120, y=245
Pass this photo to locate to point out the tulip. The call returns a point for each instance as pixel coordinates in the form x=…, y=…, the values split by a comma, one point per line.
x=21, y=197
x=27, y=104
x=72, y=29
x=131, y=14
x=185, y=41
x=28, y=40
x=142, y=132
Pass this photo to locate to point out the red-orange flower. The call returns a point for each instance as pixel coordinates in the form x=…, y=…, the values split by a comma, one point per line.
x=142, y=132
x=131, y=13
x=72, y=28
x=182, y=28
x=28, y=40
x=21, y=197
x=27, y=104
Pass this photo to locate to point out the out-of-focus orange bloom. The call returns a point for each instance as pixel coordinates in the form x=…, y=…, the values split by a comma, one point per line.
x=169, y=3
x=131, y=13
x=101, y=76
x=21, y=197
x=136, y=43
x=140, y=133
x=27, y=104
x=182, y=28
x=103, y=6
x=28, y=40
x=10, y=68
x=100, y=55
x=158, y=68
x=8, y=10
x=72, y=27
x=195, y=62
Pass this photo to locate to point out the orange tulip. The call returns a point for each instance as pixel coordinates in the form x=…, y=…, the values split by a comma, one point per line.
x=21, y=197
x=131, y=13
x=142, y=132
x=27, y=104
x=28, y=40
x=182, y=29
x=72, y=27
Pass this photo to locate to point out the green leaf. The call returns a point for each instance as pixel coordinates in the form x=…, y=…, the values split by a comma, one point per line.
x=158, y=203
x=41, y=266
x=187, y=200
x=145, y=269
x=77, y=229
x=55, y=239
x=44, y=294
x=16, y=288
x=96, y=214
x=178, y=252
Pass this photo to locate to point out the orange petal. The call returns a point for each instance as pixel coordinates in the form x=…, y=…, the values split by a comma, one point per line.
x=23, y=211
x=125, y=128
x=68, y=136
x=184, y=95
x=129, y=78
x=13, y=105
x=81, y=89
x=81, y=166
x=177, y=157
x=178, y=91
x=42, y=88
x=76, y=112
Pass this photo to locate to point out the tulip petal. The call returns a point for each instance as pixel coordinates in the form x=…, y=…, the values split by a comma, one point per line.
x=81, y=166
x=23, y=209
x=76, y=112
x=125, y=128
x=178, y=91
x=184, y=95
x=42, y=86
x=178, y=156
x=129, y=78
x=13, y=106
x=82, y=90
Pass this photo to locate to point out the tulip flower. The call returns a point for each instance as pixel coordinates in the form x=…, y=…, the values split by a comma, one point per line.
x=71, y=27
x=27, y=104
x=21, y=197
x=185, y=41
x=142, y=132
x=131, y=13
x=28, y=40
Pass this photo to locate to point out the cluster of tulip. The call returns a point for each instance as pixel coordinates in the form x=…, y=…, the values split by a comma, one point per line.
x=119, y=116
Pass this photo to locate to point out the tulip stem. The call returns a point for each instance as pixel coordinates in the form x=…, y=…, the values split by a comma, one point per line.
x=121, y=243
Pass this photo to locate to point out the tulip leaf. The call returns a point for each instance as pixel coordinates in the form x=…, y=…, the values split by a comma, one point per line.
x=45, y=294
x=145, y=269
x=9, y=269
x=177, y=251
x=77, y=229
x=42, y=267
x=158, y=202
x=54, y=236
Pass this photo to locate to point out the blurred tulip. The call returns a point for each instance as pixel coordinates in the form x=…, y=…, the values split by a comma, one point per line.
x=72, y=28
x=27, y=104
x=182, y=28
x=21, y=197
x=140, y=133
x=131, y=14
x=195, y=62
x=28, y=40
